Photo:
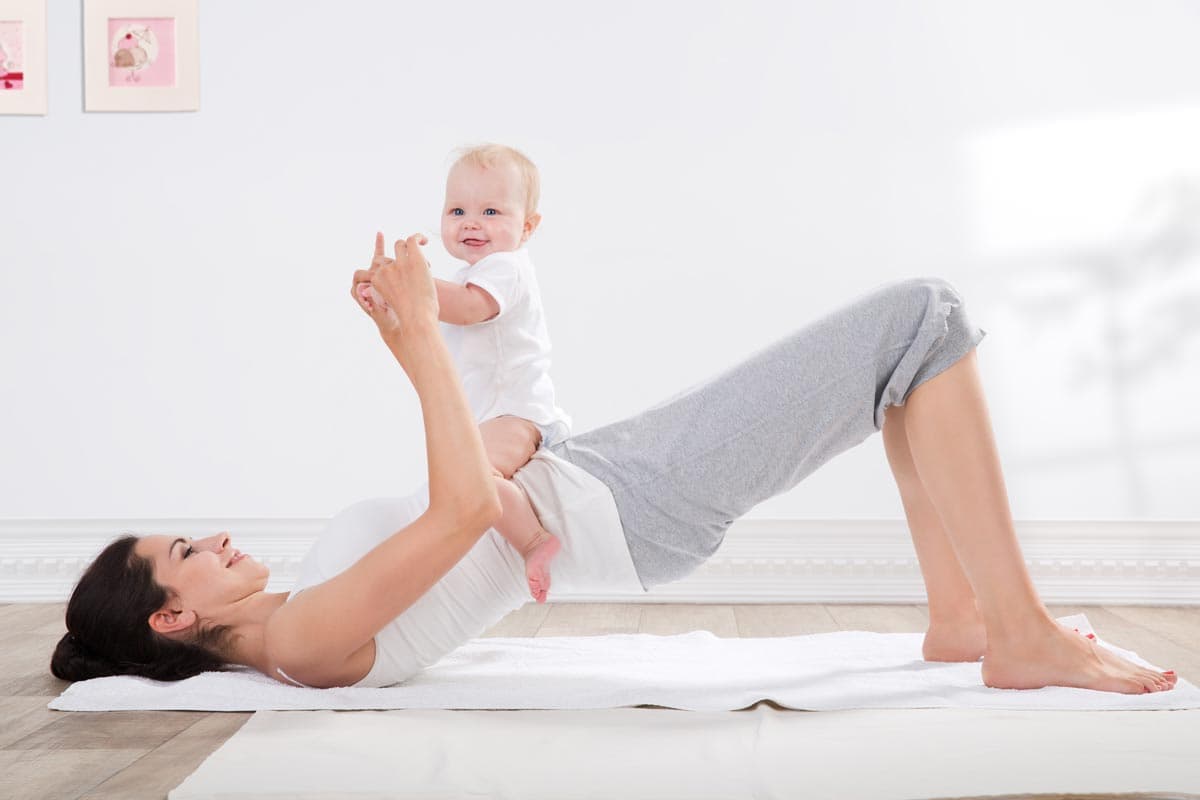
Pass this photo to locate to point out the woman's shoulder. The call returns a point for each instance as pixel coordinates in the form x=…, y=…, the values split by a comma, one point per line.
x=353, y=531
x=299, y=669
x=374, y=511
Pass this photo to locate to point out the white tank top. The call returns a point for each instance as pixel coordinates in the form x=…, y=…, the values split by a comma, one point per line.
x=489, y=582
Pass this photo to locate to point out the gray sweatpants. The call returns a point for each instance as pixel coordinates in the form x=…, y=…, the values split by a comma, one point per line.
x=684, y=470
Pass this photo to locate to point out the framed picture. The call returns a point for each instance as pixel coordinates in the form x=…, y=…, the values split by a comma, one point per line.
x=141, y=55
x=22, y=56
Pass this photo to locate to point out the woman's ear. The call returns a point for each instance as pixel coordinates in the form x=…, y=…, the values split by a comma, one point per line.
x=531, y=223
x=167, y=621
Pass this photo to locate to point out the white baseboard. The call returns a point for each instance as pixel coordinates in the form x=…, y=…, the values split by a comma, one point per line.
x=761, y=561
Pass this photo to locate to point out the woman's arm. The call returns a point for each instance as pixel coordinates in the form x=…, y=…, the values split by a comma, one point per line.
x=459, y=475
x=316, y=632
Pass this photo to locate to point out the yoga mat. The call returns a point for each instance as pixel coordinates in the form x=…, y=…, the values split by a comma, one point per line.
x=693, y=671
x=763, y=753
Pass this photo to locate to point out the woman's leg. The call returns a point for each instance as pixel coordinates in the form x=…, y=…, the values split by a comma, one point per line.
x=956, y=631
x=683, y=470
x=955, y=455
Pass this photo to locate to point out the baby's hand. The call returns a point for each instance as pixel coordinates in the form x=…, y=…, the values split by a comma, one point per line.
x=367, y=293
x=364, y=293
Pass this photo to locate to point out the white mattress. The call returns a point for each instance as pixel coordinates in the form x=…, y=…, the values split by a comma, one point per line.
x=761, y=754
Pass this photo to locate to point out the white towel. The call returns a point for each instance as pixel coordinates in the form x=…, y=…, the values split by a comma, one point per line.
x=693, y=671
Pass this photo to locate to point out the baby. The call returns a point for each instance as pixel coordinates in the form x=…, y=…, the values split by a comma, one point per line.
x=494, y=324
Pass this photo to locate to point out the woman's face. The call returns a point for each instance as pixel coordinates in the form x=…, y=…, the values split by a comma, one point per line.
x=205, y=577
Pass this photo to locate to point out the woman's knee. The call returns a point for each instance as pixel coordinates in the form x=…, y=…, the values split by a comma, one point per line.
x=925, y=299
x=929, y=287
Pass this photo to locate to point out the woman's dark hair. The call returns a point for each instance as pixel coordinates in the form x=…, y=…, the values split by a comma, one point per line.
x=108, y=628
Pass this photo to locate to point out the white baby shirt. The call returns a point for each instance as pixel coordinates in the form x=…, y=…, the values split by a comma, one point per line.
x=504, y=362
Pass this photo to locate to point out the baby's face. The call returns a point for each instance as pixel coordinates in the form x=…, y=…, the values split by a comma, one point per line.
x=484, y=211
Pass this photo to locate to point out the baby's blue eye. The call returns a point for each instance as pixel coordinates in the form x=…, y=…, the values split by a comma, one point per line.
x=491, y=212
x=456, y=212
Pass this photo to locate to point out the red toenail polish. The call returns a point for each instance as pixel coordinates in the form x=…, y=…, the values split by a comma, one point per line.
x=1091, y=636
x=1169, y=672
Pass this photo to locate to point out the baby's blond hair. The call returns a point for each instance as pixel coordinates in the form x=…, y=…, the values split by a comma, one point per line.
x=489, y=155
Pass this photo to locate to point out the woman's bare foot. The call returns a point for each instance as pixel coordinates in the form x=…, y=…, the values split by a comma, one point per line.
x=1053, y=655
x=955, y=640
x=538, y=556
x=1111, y=658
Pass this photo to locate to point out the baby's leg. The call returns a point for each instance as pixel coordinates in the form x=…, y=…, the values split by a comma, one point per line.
x=520, y=526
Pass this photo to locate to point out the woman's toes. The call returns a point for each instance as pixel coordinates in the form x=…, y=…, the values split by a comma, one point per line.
x=1153, y=679
x=1161, y=681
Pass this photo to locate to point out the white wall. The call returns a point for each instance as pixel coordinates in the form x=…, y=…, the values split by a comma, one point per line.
x=177, y=338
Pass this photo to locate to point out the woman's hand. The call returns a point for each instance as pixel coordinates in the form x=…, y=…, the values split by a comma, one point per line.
x=397, y=293
x=509, y=443
x=360, y=289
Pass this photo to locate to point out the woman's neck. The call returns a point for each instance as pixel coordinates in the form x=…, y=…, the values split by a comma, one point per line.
x=248, y=633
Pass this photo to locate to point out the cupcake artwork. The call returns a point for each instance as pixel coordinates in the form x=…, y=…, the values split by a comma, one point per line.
x=12, y=56
x=141, y=52
x=140, y=55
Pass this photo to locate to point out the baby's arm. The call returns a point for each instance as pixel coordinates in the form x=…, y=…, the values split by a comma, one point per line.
x=457, y=305
x=464, y=305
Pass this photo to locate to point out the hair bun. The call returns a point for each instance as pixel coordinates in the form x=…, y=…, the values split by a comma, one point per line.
x=73, y=660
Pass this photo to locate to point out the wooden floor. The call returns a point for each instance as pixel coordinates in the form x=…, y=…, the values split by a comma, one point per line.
x=128, y=755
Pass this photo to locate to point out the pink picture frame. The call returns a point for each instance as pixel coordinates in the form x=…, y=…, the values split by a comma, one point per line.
x=141, y=55
x=23, y=85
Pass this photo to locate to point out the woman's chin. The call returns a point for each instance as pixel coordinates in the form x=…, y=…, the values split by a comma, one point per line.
x=254, y=570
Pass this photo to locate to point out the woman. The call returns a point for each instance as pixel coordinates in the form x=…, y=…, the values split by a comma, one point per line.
x=394, y=584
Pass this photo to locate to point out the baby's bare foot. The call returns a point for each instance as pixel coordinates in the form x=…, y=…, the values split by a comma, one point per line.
x=1052, y=655
x=537, y=564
